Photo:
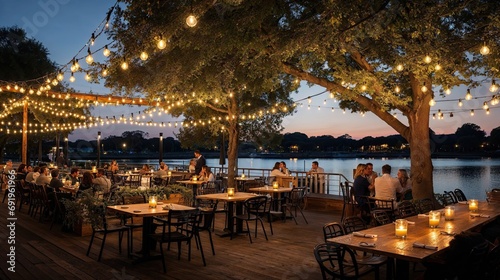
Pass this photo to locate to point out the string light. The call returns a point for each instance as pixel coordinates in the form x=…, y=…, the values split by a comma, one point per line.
x=161, y=44
x=89, y=59
x=460, y=104
x=400, y=67
x=494, y=86
x=423, y=88
x=104, y=72
x=484, y=50
x=60, y=76
x=106, y=52
x=472, y=112
x=397, y=89
x=487, y=111
x=71, y=79
x=124, y=64
x=432, y=102
x=468, y=95
x=437, y=67
x=191, y=20
x=447, y=91
x=144, y=56
x=485, y=105
x=427, y=59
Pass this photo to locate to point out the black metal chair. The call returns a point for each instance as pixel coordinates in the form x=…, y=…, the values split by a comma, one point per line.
x=295, y=201
x=353, y=223
x=448, y=198
x=340, y=262
x=180, y=226
x=333, y=229
x=424, y=205
x=255, y=210
x=406, y=209
x=381, y=217
x=348, y=200
x=128, y=221
x=104, y=228
x=207, y=209
x=459, y=194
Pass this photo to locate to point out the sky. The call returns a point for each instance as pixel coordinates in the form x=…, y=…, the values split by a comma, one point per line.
x=64, y=27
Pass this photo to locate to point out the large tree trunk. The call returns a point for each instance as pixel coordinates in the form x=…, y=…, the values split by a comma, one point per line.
x=232, y=152
x=420, y=153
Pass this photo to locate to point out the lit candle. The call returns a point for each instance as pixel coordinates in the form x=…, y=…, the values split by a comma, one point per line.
x=473, y=205
x=275, y=185
x=152, y=201
x=195, y=178
x=434, y=217
x=242, y=176
x=94, y=169
x=169, y=173
x=449, y=213
x=401, y=227
x=230, y=192
x=135, y=169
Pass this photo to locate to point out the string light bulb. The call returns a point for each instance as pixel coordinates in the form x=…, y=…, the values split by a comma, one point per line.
x=162, y=44
x=484, y=50
x=92, y=39
x=468, y=95
x=487, y=111
x=75, y=66
x=124, y=64
x=460, y=104
x=494, y=86
x=432, y=102
x=144, y=56
x=87, y=77
x=427, y=59
x=191, y=21
x=106, y=52
x=438, y=67
x=60, y=76
x=447, y=91
x=400, y=67
x=485, y=105
x=472, y=112
x=104, y=71
x=397, y=89
x=423, y=88
x=89, y=59
x=72, y=78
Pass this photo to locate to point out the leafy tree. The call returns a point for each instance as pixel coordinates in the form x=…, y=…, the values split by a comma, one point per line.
x=470, y=136
x=495, y=138
x=25, y=59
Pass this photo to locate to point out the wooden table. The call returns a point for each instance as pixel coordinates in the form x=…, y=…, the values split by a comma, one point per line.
x=70, y=189
x=147, y=214
x=402, y=249
x=194, y=185
x=238, y=197
x=276, y=193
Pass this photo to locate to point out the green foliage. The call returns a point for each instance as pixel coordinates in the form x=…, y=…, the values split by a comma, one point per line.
x=88, y=208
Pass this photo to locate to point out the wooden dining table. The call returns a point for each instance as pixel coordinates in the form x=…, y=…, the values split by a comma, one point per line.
x=237, y=199
x=147, y=214
x=275, y=193
x=194, y=185
x=403, y=251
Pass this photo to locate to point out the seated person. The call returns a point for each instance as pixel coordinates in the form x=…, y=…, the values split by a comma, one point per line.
x=113, y=167
x=206, y=174
x=145, y=169
x=192, y=166
x=162, y=172
x=44, y=178
x=283, y=169
x=86, y=181
x=74, y=175
x=387, y=187
x=31, y=176
x=101, y=181
x=21, y=172
x=276, y=170
x=55, y=182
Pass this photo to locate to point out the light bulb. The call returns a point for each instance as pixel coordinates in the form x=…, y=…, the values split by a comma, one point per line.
x=423, y=88
x=485, y=105
x=397, y=89
x=60, y=76
x=72, y=78
x=87, y=77
x=89, y=59
x=144, y=56
x=191, y=21
x=447, y=91
x=472, y=112
x=400, y=67
x=484, y=50
x=493, y=87
x=427, y=59
x=161, y=44
x=363, y=87
x=437, y=67
x=432, y=102
x=487, y=111
x=468, y=95
x=106, y=52
x=124, y=65
x=460, y=103
x=104, y=72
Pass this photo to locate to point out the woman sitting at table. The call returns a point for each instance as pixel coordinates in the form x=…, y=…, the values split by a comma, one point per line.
x=113, y=167
x=361, y=189
x=276, y=170
x=192, y=166
x=404, y=179
x=206, y=174
x=145, y=169
x=86, y=181
x=283, y=169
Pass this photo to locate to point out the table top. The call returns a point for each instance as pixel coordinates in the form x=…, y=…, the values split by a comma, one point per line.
x=143, y=210
x=69, y=188
x=269, y=189
x=244, y=179
x=388, y=244
x=191, y=182
x=238, y=196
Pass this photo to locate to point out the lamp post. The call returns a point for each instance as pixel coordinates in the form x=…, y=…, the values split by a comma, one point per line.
x=66, y=152
x=98, y=148
x=161, y=146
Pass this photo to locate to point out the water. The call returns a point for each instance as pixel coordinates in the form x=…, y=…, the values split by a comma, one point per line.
x=473, y=176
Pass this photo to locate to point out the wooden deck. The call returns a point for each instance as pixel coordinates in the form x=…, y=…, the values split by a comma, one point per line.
x=53, y=254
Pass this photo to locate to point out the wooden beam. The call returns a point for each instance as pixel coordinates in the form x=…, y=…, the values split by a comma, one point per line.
x=24, y=148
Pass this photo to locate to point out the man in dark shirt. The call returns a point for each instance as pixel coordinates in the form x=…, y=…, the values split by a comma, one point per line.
x=55, y=182
x=200, y=162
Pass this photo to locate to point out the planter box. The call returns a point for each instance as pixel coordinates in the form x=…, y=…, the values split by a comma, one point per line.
x=82, y=229
x=175, y=198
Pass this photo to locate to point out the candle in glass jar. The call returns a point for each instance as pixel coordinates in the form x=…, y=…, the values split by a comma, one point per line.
x=152, y=202
x=473, y=205
x=401, y=227
x=230, y=192
x=242, y=176
x=275, y=185
x=434, y=217
x=135, y=169
x=169, y=173
x=449, y=213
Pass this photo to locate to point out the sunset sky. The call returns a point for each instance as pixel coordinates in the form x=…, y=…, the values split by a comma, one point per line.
x=64, y=27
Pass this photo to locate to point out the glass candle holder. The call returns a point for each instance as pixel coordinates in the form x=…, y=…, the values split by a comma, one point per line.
x=152, y=202
x=401, y=228
x=473, y=205
x=242, y=175
x=230, y=192
x=169, y=173
x=275, y=185
x=195, y=178
x=135, y=169
x=434, y=217
x=449, y=213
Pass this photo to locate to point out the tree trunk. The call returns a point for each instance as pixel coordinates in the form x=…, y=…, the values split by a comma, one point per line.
x=232, y=152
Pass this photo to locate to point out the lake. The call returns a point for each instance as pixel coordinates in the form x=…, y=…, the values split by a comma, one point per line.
x=473, y=176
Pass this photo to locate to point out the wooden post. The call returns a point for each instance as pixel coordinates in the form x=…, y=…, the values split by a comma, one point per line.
x=24, y=148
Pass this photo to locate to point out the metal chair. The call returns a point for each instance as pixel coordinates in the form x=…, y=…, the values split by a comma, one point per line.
x=459, y=194
x=424, y=205
x=129, y=199
x=255, y=209
x=381, y=217
x=353, y=223
x=333, y=229
x=406, y=209
x=340, y=262
x=207, y=209
x=347, y=199
x=295, y=201
x=448, y=198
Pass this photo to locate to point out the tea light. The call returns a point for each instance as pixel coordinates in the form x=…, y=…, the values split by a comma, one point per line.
x=449, y=213
x=473, y=205
x=242, y=175
x=169, y=173
x=152, y=170
x=275, y=185
x=195, y=178
x=230, y=192
x=63, y=181
x=401, y=227
x=51, y=165
x=135, y=169
x=152, y=202
x=94, y=169
x=434, y=217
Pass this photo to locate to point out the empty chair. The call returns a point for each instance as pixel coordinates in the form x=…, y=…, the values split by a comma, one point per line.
x=347, y=199
x=387, y=205
x=406, y=209
x=104, y=228
x=381, y=217
x=129, y=221
x=207, y=209
x=134, y=180
x=459, y=194
x=353, y=223
x=448, y=199
x=340, y=262
x=255, y=210
x=333, y=229
x=295, y=201
x=424, y=205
